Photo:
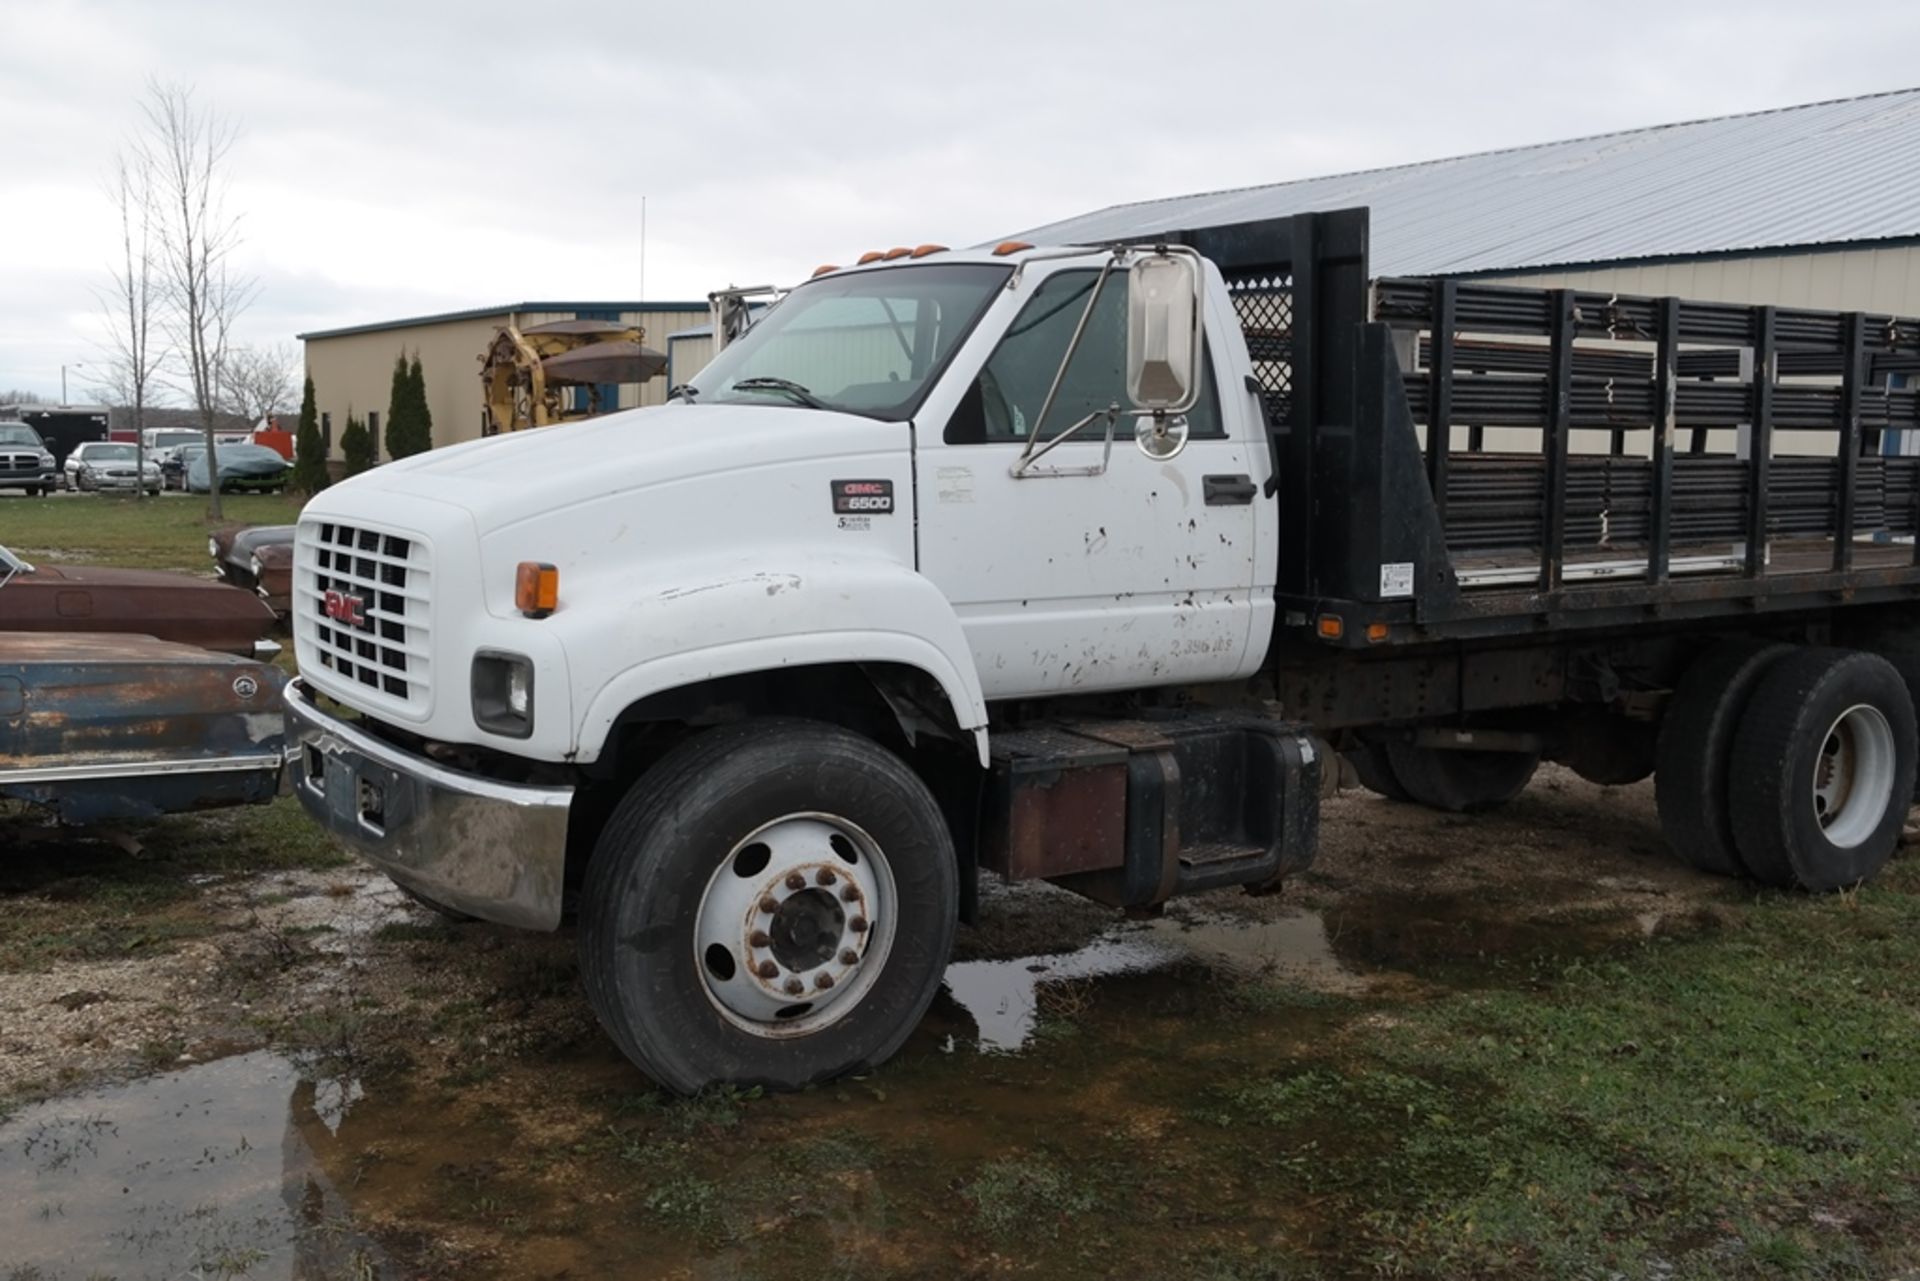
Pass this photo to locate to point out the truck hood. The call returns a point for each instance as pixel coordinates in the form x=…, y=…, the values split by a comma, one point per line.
x=506, y=479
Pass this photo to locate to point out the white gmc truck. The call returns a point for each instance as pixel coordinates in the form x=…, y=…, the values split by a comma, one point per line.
x=1075, y=563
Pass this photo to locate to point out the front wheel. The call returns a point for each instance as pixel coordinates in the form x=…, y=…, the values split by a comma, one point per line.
x=771, y=904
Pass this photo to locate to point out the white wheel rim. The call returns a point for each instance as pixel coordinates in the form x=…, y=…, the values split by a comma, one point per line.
x=795, y=925
x=1853, y=775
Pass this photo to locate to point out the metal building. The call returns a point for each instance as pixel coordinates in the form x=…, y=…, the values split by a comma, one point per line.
x=1810, y=206
x=352, y=367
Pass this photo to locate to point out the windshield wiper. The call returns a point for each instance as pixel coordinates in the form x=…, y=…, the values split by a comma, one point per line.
x=687, y=390
x=786, y=385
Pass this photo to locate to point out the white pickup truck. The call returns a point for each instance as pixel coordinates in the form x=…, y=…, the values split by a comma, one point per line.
x=1071, y=563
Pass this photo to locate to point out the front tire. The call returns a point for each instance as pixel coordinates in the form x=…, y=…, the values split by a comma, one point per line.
x=771, y=904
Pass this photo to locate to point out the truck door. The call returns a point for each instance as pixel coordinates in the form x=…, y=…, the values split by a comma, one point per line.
x=1142, y=575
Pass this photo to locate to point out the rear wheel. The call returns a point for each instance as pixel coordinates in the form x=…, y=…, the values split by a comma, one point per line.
x=1376, y=772
x=1448, y=778
x=1696, y=747
x=1822, y=769
x=772, y=904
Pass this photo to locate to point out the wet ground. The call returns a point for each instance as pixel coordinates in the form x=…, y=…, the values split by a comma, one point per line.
x=1242, y=1088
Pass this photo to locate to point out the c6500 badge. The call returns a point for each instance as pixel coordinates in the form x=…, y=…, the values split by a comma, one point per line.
x=863, y=497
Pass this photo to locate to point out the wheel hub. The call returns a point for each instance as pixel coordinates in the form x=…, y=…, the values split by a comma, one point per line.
x=794, y=925
x=1854, y=774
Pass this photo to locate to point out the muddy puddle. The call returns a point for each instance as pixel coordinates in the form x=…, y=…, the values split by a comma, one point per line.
x=207, y=1172
x=1058, y=1110
x=247, y=1166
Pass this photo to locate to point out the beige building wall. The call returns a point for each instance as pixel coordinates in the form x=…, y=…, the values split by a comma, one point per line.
x=353, y=372
x=1884, y=278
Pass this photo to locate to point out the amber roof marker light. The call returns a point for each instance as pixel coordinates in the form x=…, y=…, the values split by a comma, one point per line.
x=1006, y=247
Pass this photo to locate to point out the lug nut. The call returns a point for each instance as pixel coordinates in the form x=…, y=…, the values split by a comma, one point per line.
x=759, y=939
x=858, y=925
x=795, y=987
x=768, y=969
x=849, y=957
x=823, y=982
x=850, y=895
x=826, y=876
x=769, y=904
x=795, y=881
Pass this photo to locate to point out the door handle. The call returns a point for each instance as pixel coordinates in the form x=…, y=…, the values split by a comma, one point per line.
x=1228, y=491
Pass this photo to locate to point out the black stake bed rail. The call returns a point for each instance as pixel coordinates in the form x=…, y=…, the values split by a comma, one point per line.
x=1625, y=458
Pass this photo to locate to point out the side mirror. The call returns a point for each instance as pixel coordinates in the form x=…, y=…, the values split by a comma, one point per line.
x=1163, y=333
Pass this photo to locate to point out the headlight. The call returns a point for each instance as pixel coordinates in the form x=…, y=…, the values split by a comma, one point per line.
x=46, y=459
x=253, y=566
x=503, y=693
x=213, y=548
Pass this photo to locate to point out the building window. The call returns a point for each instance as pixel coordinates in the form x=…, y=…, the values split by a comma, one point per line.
x=326, y=434
x=373, y=431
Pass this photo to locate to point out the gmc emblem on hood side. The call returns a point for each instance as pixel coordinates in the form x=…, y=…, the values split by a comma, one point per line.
x=343, y=608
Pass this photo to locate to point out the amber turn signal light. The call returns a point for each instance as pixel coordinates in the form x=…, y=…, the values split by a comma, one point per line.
x=1330, y=627
x=536, y=588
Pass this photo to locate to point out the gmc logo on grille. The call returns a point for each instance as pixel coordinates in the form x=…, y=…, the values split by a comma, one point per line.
x=343, y=608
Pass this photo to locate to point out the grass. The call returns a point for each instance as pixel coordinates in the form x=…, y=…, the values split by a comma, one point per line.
x=169, y=532
x=1736, y=1105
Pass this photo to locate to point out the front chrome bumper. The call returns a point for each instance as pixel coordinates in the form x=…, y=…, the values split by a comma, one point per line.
x=493, y=850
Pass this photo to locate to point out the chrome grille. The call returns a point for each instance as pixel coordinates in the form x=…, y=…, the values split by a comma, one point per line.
x=20, y=462
x=363, y=596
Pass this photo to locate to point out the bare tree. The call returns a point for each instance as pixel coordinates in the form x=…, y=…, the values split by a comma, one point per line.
x=259, y=381
x=133, y=353
x=15, y=396
x=190, y=145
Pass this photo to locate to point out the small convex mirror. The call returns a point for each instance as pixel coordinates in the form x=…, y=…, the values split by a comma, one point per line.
x=1163, y=333
x=1161, y=436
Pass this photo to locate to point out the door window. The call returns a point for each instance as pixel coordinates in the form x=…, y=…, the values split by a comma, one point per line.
x=1007, y=397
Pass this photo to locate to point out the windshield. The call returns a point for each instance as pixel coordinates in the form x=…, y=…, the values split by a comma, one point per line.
x=871, y=343
x=107, y=453
x=19, y=434
x=173, y=439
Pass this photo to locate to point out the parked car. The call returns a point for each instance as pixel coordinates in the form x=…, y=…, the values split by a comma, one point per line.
x=110, y=464
x=25, y=461
x=242, y=467
x=93, y=598
x=174, y=463
x=109, y=727
x=259, y=559
x=164, y=443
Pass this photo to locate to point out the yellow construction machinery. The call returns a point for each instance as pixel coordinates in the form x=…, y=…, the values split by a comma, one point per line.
x=526, y=375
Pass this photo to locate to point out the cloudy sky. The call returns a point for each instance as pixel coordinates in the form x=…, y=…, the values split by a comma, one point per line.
x=407, y=157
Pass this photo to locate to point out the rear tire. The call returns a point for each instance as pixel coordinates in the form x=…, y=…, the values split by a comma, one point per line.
x=1822, y=769
x=1375, y=771
x=697, y=982
x=1695, y=749
x=1460, y=781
